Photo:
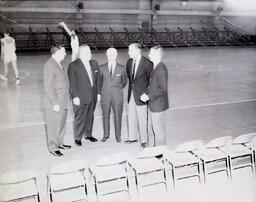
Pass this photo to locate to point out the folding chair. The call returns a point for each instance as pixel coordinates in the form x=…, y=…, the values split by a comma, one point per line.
x=239, y=150
x=149, y=161
x=110, y=169
x=20, y=185
x=68, y=180
x=183, y=157
x=213, y=154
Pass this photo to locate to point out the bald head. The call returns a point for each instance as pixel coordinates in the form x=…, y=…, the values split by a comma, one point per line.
x=85, y=52
x=111, y=54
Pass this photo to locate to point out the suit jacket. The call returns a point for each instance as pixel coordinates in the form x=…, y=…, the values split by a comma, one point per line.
x=80, y=84
x=112, y=85
x=158, y=89
x=140, y=83
x=56, y=84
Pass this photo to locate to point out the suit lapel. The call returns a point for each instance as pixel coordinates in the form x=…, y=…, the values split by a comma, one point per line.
x=84, y=69
x=156, y=69
x=139, y=69
x=93, y=72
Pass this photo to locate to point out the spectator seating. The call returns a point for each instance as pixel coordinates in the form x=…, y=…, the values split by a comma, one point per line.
x=210, y=36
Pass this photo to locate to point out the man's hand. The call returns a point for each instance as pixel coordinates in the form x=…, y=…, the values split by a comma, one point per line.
x=98, y=97
x=56, y=108
x=144, y=97
x=76, y=101
x=62, y=24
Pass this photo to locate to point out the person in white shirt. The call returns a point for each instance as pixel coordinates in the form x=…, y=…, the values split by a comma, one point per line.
x=112, y=82
x=8, y=55
x=138, y=69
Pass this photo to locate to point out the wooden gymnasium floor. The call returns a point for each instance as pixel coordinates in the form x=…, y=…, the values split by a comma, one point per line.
x=212, y=93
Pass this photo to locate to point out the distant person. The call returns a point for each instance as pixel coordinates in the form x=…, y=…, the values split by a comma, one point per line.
x=56, y=86
x=112, y=81
x=74, y=41
x=8, y=55
x=138, y=70
x=157, y=95
x=85, y=91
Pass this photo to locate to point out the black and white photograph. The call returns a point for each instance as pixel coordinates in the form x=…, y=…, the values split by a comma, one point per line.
x=128, y=101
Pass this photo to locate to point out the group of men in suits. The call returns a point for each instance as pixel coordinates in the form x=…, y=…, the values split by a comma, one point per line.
x=88, y=83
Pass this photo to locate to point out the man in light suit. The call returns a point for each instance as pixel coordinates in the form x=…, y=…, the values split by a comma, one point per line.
x=85, y=91
x=138, y=69
x=157, y=95
x=112, y=79
x=56, y=86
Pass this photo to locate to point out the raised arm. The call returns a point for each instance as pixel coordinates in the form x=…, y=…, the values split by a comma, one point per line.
x=63, y=24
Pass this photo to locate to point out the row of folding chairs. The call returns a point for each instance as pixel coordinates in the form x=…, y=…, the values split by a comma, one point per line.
x=199, y=160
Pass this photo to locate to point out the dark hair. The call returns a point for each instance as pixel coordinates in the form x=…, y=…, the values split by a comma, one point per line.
x=136, y=45
x=159, y=48
x=55, y=48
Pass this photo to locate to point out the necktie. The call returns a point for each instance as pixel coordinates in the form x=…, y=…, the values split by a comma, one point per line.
x=133, y=69
x=111, y=70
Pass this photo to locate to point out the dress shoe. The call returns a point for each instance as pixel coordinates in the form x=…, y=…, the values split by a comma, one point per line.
x=64, y=146
x=104, y=139
x=130, y=141
x=143, y=145
x=78, y=142
x=92, y=139
x=56, y=153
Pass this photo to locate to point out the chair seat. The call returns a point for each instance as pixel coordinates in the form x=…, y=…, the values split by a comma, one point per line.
x=17, y=191
x=212, y=154
x=239, y=150
x=59, y=181
x=110, y=172
x=143, y=165
x=179, y=159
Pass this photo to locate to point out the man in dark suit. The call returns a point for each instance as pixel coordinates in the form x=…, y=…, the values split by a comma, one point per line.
x=85, y=90
x=138, y=69
x=157, y=95
x=112, y=79
x=56, y=99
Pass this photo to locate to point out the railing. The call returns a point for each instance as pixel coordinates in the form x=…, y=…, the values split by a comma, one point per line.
x=234, y=28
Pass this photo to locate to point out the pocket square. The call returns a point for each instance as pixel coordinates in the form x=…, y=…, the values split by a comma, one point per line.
x=96, y=71
x=118, y=74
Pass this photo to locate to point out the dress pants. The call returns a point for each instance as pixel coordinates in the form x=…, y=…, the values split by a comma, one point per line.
x=137, y=121
x=83, y=120
x=158, y=126
x=56, y=125
x=117, y=106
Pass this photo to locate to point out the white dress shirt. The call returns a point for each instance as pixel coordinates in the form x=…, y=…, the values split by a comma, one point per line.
x=136, y=64
x=88, y=69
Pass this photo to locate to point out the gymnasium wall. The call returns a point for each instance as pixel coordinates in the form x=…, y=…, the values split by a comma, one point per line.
x=131, y=14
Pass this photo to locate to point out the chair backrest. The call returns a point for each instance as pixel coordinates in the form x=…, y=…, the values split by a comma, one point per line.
x=190, y=146
x=113, y=159
x=243, y=139
x=222, y=143
x=68, y=167
x=18, y=176
x=150, y=152
x=252, y=144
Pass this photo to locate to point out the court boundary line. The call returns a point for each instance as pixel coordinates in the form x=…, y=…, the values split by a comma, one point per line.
x=29, y=124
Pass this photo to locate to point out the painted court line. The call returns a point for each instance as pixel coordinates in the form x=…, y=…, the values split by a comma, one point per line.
x=28, y=124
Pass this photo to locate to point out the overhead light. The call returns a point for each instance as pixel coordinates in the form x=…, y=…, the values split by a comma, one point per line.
x=184, y=2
